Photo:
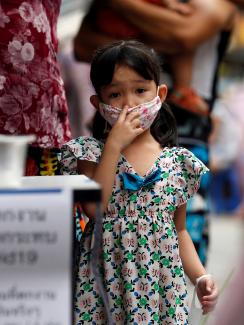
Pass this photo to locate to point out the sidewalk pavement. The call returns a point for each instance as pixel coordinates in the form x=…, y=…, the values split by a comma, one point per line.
x=226, y=247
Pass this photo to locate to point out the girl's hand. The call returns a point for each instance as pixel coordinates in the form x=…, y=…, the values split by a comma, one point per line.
x=207, y=293
x=125, y=130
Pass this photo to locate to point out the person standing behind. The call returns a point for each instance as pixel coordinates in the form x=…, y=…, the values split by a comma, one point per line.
x=147, y=180
x=111, y=23
x=32, y=98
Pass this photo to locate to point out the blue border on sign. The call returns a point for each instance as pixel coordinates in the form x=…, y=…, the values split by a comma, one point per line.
x=29, y=191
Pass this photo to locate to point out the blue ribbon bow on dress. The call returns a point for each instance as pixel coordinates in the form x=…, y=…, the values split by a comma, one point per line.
x=134, y=182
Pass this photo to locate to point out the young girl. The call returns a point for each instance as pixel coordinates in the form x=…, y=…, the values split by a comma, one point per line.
x=146, y=181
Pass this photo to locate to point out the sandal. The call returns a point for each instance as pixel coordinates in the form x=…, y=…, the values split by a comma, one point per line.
x=186, y=98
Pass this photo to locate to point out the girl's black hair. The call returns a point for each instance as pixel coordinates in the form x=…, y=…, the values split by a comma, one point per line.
x=147, y=64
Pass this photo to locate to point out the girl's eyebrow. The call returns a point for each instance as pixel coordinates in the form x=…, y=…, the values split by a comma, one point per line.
x=115, y=84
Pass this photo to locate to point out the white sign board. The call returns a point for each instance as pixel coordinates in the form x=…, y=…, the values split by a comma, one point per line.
x=35, y=257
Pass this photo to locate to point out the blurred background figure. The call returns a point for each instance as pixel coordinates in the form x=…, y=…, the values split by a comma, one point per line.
x=76, y=74
x=225, y=148
x=32, y=97
x=76, y=77
x=109, y=22
x=227, y=158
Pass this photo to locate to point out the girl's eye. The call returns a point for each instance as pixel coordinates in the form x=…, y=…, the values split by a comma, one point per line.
x=114, y=95
x=140, y=90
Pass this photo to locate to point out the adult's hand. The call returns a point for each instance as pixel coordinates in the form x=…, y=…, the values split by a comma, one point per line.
x=170, y=31
x=184, y=8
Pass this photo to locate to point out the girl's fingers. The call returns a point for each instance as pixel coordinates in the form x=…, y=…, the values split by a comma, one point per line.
x=136, y=123
x=207, y=288
x=207, y=309
x=208, y=295
x=128, y=117
x=210, y=285
x=208, y=303
x=139, y=131
x=212, y=297
x=131, y=116
x=122, y=115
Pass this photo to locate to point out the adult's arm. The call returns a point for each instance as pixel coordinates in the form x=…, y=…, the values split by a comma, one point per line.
x=170, y=31
x=87, y=40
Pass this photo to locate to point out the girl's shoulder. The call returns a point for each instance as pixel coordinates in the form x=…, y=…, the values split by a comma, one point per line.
x=81, y=148
x=184, y=159
x=80, y=143
x=179, y=153
x=183, y=171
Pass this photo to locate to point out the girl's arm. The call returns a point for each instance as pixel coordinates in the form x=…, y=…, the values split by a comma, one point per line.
x=166, y=28
x=103, y=173
x=122, y=134
x=191, y=262
x=206, y=288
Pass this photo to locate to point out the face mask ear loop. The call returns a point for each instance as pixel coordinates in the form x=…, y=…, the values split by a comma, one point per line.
x=157, y=90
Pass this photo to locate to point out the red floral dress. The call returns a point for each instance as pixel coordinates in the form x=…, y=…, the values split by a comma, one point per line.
x=32, y=98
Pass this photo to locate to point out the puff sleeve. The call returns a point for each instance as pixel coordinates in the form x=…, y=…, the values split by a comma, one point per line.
x=188, y=172
x=82, y=148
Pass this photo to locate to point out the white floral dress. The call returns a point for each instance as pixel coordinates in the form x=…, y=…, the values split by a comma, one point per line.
x=142, y=269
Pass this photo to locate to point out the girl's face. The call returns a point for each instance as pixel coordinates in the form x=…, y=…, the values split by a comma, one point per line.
x=128, y=88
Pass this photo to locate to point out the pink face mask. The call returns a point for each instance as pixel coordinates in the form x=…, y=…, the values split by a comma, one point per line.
x=148, y=111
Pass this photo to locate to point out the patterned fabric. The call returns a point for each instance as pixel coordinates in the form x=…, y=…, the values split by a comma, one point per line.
x=141, y=266
x=32, y=98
